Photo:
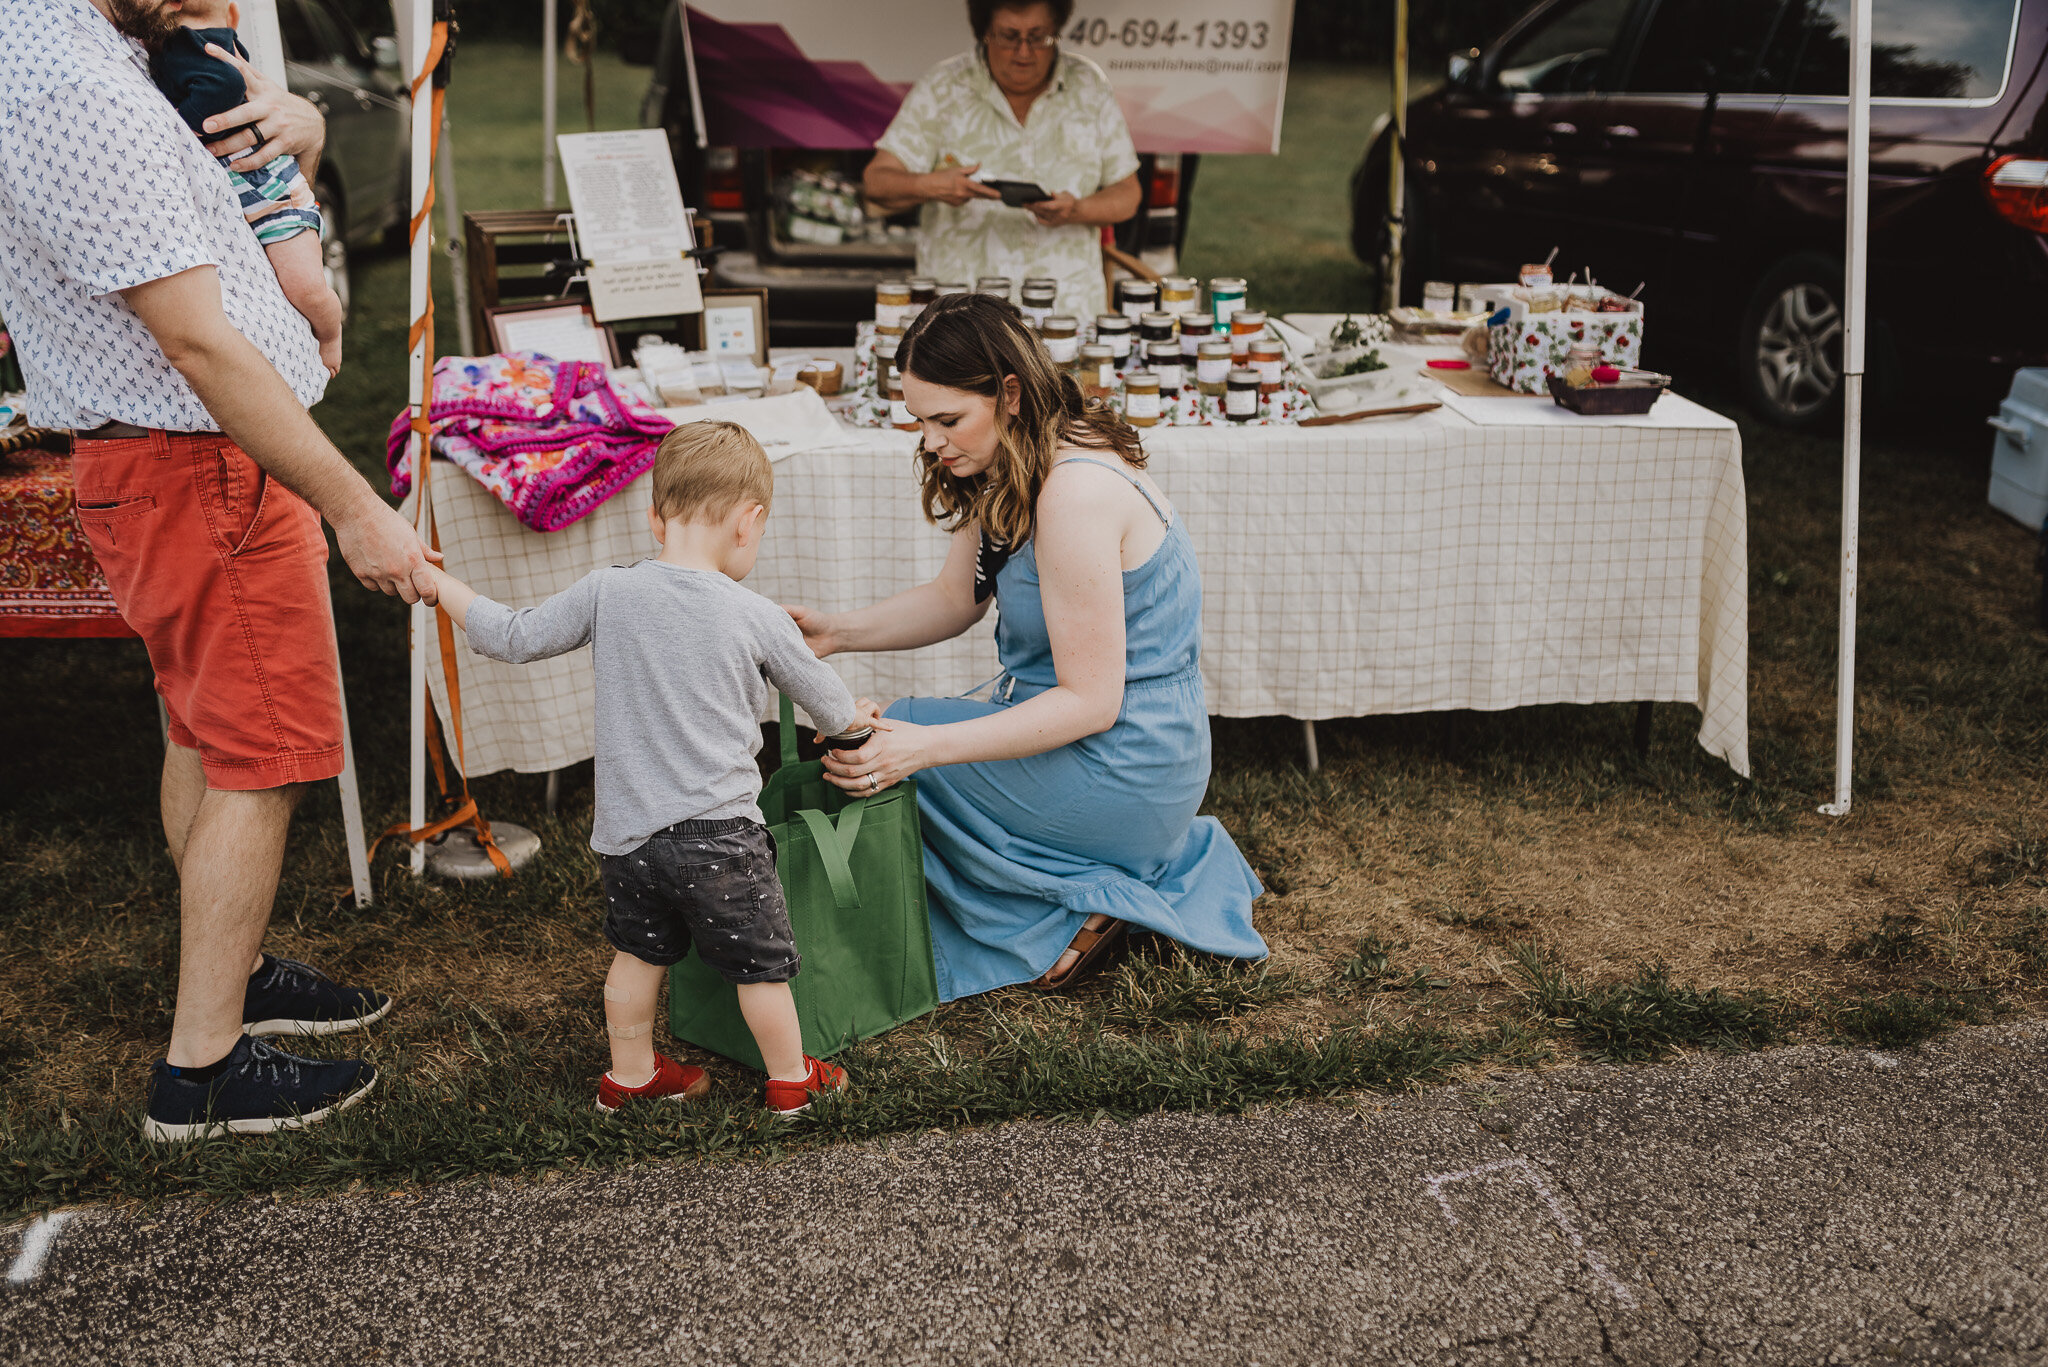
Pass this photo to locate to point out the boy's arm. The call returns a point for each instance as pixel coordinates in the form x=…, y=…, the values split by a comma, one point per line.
x=522, y=635
x=810, y=683
x=453, y=595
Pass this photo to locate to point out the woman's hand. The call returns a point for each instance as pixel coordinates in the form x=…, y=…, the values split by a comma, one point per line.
x=955, y=185
x=285, y=124
x=897, y=750
x=820, y=629
x=1056, y=212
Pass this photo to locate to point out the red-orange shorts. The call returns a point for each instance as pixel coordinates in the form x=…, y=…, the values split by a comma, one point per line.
x=223, y=573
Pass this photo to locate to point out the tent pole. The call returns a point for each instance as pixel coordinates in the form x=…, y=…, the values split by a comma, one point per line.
x=1397, y=185
x=548, y=45
x=1852, y=395
x=458, y=243
x=421, y=21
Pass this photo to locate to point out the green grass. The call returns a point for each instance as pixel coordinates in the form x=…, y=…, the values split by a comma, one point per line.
x=1400, y=875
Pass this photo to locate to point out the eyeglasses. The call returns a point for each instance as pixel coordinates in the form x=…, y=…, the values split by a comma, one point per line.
x=1011, y=40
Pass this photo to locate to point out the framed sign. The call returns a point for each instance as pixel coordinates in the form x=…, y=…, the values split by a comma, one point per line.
x=736, y=325
x=566, y=331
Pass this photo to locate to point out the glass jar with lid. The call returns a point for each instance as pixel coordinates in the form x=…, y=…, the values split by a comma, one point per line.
x=1245, y=324
x=892, y=302
x=1241, y=395
x=1136, y=298
x=1226, y=296
x=1179, y=293
x=998, y=285
x=946, y=287
x=1269, y=359
x=1196, y=328
x=1061, y=333
x=923, y=289
x=1038, y=298
x=892, y=390
x=1097, y=370
x=1212, y=367
x=1117, y=332
x=1164, y=360
x=1141, y=398
x=1155, y=327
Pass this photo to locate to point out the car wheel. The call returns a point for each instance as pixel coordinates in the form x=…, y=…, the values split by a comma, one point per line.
x=1791, y=342
x=334, y=247
x=1371, y=242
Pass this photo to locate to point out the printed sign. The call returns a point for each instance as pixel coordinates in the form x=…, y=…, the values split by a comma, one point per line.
x=1191, y=75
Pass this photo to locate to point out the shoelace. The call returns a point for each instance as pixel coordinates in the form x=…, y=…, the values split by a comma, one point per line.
x=273, y=1065
x=297, y=974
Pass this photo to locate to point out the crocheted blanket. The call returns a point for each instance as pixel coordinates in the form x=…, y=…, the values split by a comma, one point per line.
x=551, y=439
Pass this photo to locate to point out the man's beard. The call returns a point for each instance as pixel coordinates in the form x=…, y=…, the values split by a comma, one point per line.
x=146, y=21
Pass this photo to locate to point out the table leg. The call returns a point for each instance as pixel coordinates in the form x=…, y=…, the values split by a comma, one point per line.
x=554, y=790
x=1643, y=728
x=1308, y=736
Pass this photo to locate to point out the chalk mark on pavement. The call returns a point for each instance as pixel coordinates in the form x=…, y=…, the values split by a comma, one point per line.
x=1528, y=1173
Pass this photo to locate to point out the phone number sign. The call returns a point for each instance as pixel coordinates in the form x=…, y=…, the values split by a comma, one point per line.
x=1191, y=75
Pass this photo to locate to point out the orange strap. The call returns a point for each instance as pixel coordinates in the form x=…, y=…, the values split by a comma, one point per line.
x=466, y=812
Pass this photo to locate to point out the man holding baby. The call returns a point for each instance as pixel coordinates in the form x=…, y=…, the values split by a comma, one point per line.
x=151, y=323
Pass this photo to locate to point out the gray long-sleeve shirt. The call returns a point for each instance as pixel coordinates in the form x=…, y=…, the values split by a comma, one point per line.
x=683, y=659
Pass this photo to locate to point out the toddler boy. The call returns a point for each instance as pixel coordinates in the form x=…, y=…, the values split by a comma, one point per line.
x=276, y=200
x=683, y=657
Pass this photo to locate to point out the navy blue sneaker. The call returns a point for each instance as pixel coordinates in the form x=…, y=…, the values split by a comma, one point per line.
x=260, y=1090
x=286, y=997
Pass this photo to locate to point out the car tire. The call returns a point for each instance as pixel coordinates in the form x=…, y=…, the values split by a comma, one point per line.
x=1371, y=242
x=1789, y=351
x=334, y=245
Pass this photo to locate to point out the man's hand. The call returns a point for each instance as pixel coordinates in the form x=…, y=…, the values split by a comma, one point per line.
x=285, y=124
x=386, y=554
x=1056, y=212
x=954, y=185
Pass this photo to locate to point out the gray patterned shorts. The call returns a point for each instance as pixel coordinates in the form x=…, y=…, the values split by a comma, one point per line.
x=707, y=883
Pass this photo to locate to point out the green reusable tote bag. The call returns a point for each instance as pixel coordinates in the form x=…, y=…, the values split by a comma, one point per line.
x=852, y=869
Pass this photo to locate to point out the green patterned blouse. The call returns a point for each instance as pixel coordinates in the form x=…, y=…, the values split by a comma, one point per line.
x=1074, y=139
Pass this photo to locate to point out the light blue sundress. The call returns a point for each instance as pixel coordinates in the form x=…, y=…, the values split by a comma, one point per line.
x=1020, y=852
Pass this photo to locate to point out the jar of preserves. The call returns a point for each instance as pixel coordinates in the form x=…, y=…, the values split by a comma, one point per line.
x=1117, y=332
x=1097, y=371
x=1136, y=298
x=1164, y=360
x=1061, y=333
x=923, y=289
x=1269, y=359
x=998, y=285
x=1245, y=324
x=1038, y=298
x=1141, y=398
x=1155, y=327
x=892, y=389
x=1212, y=367
x=1226, y=296
x=892, y=303
x=1241, y=396
x=885, y=357
x=1195, y=328
x=1179, y=293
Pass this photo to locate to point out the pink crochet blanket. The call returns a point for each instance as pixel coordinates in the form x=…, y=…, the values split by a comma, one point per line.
x=552, y=439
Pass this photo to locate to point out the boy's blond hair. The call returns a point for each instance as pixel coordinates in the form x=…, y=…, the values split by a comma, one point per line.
x=703, y=470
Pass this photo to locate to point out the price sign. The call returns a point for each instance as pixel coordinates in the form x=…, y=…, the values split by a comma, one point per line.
x=1191, y=75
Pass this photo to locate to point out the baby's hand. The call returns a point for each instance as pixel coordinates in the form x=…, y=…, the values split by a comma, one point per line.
x=867, y=710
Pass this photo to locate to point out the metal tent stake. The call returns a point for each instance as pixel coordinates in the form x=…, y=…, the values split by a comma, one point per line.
x=1852, y=397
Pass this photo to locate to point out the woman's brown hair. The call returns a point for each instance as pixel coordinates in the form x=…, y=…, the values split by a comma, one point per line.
x=973, y=343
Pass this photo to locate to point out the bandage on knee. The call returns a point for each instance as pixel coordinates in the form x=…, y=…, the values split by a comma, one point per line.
x=616, y=994
x=628, y=1031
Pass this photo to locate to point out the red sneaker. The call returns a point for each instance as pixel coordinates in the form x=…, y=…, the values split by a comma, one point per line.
x=794, y=1098
x=672, y=1081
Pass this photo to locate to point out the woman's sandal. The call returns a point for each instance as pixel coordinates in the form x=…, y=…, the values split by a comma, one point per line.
x=1094, y=945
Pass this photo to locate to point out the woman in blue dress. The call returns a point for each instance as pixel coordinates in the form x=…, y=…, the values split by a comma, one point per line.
x=1063, y=810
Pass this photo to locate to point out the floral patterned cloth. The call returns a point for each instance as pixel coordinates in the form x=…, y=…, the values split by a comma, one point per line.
x=551, y=439
x=50, y=584
x=1529, y=348
x=1074, y=139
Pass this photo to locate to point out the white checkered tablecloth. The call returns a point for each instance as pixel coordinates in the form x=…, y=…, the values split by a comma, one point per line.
x=1404, y=566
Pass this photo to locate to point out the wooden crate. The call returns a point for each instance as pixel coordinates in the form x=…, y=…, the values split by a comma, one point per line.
x=509, y=250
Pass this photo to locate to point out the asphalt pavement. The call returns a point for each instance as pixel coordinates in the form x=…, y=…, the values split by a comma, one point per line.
x=1807, y=1205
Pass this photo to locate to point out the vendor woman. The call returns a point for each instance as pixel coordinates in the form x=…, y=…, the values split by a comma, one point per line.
x=1014, y=108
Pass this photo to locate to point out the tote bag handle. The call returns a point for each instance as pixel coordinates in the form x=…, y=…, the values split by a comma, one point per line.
x=835, y=842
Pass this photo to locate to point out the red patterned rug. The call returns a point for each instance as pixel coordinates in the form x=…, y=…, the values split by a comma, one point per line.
x=50, y=585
